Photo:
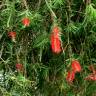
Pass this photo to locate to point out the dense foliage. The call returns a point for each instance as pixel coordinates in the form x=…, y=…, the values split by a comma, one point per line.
x=32, y=63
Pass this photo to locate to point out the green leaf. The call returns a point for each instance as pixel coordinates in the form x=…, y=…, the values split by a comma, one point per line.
x=41, y=40
x=90, y=13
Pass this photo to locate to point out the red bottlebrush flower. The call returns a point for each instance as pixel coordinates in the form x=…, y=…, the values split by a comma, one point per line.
x=55, y=44
x=91, y=77
x=12, y=35
x=76, y=66
x=19, y=67
x=26, y=21
x=70, y=76
x=56, y=31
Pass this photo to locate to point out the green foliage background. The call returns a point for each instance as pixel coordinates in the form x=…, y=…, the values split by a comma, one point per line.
x=45, y=72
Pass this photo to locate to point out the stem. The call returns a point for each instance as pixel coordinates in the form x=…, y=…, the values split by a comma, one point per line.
x=88, y=2
x=50, y=9
x=69, y=11
x=80, y=9
x=38, y=6
x=68, y=22
x=25, y=4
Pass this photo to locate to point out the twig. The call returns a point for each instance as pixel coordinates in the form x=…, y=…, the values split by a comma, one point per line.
x=39, y=3
x=25, y=4
x=50, y=9
x=78, y=17
x=1, y=51
x=88, y=2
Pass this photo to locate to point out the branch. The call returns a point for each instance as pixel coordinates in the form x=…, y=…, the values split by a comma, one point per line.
x=50, y=9
x=25, y=4
x=87, y=2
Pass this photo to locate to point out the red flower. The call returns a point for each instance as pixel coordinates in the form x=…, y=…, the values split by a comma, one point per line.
x=91, y=77
x=70, y=76
x=12, y=35
x=76, y=66
x=55, y=29
x=55, y=40
x=19, y=67
x=26, y=21
x=55, y=44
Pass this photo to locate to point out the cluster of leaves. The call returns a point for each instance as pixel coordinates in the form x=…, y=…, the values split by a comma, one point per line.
x=45, y=72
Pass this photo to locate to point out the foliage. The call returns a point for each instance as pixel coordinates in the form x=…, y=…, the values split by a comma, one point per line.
x=45, y=72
